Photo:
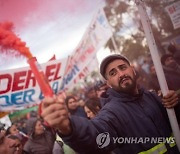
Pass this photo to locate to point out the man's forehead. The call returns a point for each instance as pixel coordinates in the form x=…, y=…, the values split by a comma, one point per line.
x=116, y=62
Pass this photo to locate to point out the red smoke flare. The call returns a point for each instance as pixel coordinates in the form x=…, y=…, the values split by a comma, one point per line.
x=9, y=41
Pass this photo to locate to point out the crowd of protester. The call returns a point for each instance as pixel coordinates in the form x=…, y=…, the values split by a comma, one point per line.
x=31, y=135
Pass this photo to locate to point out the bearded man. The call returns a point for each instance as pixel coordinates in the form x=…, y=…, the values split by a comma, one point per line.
x=131, y=121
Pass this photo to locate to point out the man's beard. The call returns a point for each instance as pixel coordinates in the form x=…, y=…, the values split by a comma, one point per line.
x=129, y=86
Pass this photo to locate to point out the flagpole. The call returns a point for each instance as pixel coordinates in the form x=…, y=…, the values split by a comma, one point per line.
x=114, y=44
x=112, y=37
x=158, y=67
x=65, y=70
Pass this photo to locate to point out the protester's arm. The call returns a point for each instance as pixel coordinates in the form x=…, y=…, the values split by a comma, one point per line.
x=55, y=114
x=171, y=100
x=78, y=132
x=84, y=135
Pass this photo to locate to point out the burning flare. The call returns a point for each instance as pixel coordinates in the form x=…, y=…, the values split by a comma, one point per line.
x=9, y=41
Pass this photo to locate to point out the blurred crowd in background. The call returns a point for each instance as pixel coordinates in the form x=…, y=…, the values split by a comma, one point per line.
x=29, y=133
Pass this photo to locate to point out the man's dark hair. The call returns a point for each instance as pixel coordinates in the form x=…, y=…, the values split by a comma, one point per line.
x=164, y=57
x=92, y=104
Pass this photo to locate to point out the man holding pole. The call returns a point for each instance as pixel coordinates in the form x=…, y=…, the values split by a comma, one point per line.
x=132, y=121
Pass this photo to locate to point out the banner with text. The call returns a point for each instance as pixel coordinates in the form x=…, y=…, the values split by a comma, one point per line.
x=86, y=70
x=19, y=88
x=174, y=13
x=96, y=36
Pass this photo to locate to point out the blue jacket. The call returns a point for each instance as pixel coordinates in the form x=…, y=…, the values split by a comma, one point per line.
x=123, y=116
x=78, y=112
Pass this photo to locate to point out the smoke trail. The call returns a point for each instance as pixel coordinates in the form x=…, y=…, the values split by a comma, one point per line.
x=10, y=44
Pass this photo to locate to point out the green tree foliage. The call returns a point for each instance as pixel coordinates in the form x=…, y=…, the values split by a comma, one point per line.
x=133, y=47
x=164, y=25
x=133, y=44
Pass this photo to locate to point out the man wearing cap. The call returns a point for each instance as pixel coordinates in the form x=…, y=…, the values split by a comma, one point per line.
x=172, y=71
x=127, y=124
x=175, y=52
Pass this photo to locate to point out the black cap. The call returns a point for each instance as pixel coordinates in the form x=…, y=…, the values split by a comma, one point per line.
x=164, y=57
x=109, y=59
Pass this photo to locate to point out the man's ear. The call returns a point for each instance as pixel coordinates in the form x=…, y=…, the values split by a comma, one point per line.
x=133, y=70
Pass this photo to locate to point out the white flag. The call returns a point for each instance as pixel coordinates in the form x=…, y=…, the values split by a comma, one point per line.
x=95, y=37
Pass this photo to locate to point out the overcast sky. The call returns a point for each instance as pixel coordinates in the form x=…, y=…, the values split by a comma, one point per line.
x=47, y=27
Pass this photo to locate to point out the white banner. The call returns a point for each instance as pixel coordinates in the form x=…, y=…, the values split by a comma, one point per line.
x=96, y=36
x=86, y=70
x=174, y=13
x=19, y=88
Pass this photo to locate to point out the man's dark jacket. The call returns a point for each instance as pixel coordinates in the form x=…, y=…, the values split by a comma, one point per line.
x=123, y=116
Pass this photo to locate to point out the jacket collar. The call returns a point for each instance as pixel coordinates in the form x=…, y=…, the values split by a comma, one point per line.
x=125, y=97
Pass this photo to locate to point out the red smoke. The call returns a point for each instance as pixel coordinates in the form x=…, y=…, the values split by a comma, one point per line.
x=25, y=13
x=9, y=41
